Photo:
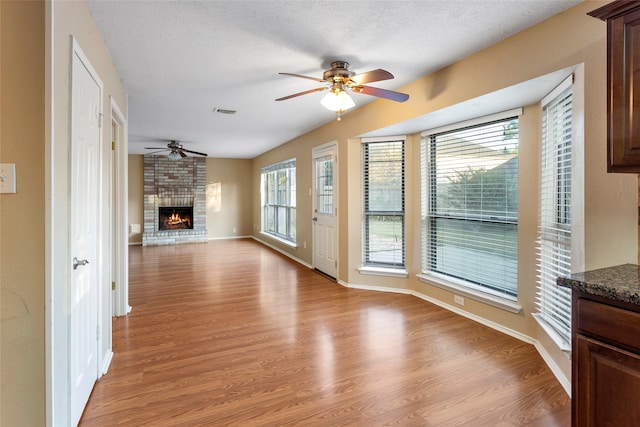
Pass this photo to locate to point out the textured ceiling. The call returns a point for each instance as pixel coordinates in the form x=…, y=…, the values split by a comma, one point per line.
x=181, y=60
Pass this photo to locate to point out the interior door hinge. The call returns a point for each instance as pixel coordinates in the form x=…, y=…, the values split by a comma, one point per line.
x=113, y=286
x=113, y=145
x=100, y=117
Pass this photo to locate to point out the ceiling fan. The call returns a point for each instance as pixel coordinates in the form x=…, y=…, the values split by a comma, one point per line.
x=339, y=78
x=176, y=152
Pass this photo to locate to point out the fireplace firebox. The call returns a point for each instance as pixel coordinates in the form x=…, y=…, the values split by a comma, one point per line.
x=175, y=217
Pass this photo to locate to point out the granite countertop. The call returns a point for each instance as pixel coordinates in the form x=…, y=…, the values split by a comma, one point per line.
x=619, y=283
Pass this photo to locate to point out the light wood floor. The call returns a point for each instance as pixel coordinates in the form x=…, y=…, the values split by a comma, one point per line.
x=230, y=333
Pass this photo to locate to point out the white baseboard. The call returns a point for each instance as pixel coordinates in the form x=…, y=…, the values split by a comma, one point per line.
x=229, y=237
x=287, y=254
x=481, y=320
x=375, y=288
x=546, y=357
x=106, y=362
x=496, y=326
x=557, y=372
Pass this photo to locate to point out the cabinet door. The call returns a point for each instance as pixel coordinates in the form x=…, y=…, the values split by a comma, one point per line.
x=607, y=385
x=624, y=92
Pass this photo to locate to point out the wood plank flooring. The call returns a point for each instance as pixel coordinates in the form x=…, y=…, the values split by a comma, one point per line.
x=230, y=333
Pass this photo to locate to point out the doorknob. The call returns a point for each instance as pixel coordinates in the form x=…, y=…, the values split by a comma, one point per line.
x=77, y=263
x=315, y=218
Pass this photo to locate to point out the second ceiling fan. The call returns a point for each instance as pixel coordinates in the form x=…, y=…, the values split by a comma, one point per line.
x=340, y=78
x=176, y=151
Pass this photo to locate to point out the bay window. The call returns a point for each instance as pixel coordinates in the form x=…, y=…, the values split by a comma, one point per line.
x=470, y=205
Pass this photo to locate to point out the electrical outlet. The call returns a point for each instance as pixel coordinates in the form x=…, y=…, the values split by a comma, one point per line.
x=458, y=299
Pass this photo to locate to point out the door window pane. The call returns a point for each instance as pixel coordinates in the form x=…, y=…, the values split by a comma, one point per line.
x=324, y=186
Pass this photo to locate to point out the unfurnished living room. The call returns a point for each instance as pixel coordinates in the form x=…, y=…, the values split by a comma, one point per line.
x=319, y=213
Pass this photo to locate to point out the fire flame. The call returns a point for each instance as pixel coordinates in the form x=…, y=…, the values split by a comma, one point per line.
x=175, y=220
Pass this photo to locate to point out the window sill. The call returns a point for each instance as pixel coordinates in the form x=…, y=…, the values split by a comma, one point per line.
x=380, y=271
x=483, y=297
x=551, y=332
x=279, y=239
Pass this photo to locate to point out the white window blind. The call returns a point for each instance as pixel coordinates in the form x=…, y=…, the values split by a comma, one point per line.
x=279, y=200
x=470, y=205
x=383, y=202
x=554, y=230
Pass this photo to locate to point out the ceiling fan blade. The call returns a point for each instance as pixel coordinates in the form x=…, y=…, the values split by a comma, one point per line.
x=182, y=153
x=193, y=152
x=155, y=152
x=302, y=77
x=302, y=93
x=155, y=148
x=371, y=76
x=381, y=93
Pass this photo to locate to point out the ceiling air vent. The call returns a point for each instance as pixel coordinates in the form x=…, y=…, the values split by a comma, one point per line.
x=223, y=111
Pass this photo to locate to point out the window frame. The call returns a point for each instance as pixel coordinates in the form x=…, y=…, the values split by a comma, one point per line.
x=278, y=194
x=499, y=298
x=367, y=213
x=554, y=242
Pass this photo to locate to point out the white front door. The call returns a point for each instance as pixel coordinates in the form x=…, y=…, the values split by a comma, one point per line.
x=85, y=267
x=325, y=210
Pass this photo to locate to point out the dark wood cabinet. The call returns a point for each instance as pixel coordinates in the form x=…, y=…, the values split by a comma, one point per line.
x=606, y=362
x=623, y=84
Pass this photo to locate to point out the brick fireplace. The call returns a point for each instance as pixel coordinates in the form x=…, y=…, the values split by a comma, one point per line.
x=174, y=200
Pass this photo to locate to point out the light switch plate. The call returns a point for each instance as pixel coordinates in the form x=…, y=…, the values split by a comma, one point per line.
x=7, y=177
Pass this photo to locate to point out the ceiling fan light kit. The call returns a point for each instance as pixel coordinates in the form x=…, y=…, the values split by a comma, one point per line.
x=337, y=100
x=224, y=111
x=174, y=155
x=339, y=78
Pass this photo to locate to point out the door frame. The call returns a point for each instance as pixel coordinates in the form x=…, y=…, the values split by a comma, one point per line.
x=333, y=146
x=119, y=209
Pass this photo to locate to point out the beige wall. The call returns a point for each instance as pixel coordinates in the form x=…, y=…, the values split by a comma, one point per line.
x=136, y=196
x=22, y=215
x=610, y=200
x=229, y=190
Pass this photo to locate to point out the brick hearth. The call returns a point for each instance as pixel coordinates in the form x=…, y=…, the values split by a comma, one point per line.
x=174, y=183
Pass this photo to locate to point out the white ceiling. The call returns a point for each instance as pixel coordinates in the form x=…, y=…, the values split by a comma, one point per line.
x=181, y=60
